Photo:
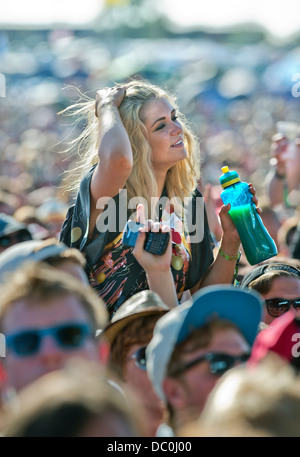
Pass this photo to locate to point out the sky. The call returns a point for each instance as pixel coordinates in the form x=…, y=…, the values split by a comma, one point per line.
x=42, y=12
x=280, y=17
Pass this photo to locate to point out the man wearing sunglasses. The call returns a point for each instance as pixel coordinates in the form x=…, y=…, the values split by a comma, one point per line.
x=194, y=344
x=278, y=284
x=47, y=318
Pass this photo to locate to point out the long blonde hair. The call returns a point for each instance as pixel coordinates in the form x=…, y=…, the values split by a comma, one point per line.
x=181, y=179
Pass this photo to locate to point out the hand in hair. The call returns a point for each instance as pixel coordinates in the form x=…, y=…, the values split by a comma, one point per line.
x=109, y=96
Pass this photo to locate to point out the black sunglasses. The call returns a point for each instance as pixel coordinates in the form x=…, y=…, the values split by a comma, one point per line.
x=278, y=306
x=14, y=238
x=139, y=357
x=68, y=336
x=219, y=363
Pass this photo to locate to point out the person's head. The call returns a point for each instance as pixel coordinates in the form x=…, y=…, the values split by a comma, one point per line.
x=195, y=343
x=50, y=251
x=155, y=127
x=278, y=284
x=12, y=232
x=260, y=402
x=47, y=317
x=77, y=400
x=286, y=234
x=153, y=145
x=52, y=213
x=128, y=334
x=8, y=200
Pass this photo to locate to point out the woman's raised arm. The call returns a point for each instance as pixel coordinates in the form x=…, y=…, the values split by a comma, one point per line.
x=114, y=150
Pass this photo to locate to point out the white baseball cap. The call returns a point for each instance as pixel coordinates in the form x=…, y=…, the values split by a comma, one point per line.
x=243, y=307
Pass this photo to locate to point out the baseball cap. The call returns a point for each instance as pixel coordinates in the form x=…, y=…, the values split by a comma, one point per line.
x=28, y=251
x=282, y=337
x=144, y=303
x=243, y=307
x=9, y=225
x=263, y=269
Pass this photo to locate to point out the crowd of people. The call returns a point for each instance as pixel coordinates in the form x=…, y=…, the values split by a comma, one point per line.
x=164, y=342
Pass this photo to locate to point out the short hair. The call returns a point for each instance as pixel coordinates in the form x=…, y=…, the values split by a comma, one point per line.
x=70, y=254
x=263, y=271
x=263, y=283
x=64, y=402
x=39, y=283
x=138, y=331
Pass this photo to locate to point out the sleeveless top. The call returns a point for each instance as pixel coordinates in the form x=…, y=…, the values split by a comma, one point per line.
x=112, y=269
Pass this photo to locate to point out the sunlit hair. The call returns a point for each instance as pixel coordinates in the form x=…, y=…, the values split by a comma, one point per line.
x=38, y=284
x=181, y=179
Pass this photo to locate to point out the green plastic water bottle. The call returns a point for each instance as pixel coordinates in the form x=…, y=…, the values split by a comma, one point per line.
x=257, y=243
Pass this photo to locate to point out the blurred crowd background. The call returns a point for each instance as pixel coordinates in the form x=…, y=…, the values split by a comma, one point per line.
x=233, y=85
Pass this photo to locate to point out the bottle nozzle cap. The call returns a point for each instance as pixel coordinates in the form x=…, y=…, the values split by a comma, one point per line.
x=225, y=169
x=228, y=177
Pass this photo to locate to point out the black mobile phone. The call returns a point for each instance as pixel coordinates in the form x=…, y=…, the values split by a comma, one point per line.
x=155, y=242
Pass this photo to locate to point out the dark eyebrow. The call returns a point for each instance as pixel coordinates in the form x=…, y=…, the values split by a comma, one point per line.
x=163, y=118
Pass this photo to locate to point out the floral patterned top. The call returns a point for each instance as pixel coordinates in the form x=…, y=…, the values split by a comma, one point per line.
x=112, y=269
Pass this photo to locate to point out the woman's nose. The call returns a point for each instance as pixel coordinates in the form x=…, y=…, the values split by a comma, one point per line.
x=176, y=128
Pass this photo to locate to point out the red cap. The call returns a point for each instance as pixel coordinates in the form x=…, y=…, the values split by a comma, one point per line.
x=282, y=337
x=2, y=373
